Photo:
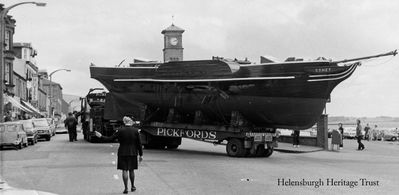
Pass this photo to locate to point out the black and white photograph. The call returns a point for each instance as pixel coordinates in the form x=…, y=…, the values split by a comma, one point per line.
x=103, y=97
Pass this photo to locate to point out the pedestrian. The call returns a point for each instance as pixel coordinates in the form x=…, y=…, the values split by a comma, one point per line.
x=367, y=132
x=76, y=115
x=296, y=138
x=341, y=130
x=129, y=147
x=382, y=132
x=7, y=117
x=70, y=124
x=375, y=133
x=359, y=135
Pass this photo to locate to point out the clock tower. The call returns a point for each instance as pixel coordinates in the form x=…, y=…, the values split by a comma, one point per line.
x=173, y=45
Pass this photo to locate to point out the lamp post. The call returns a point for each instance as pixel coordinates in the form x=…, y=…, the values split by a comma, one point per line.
x=51, y=89
x=3, y=14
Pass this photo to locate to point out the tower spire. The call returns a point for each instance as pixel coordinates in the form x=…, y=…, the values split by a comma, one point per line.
x=173, y=19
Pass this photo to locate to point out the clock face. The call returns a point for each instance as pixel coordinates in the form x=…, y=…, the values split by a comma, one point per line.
x=173, y=41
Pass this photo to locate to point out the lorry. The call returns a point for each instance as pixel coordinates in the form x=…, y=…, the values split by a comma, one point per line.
x=240, y=140
x=92, y=116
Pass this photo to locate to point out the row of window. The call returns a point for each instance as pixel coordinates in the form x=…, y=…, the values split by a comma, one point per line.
x=7, y=40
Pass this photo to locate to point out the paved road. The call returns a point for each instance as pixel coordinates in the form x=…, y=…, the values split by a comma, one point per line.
x=63, y=167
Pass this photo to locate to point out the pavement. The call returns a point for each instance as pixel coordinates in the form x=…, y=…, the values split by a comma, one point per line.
x=289, y=148
x=63, y=167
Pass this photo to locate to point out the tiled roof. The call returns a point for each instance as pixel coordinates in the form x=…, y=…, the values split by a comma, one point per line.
x=173, y=28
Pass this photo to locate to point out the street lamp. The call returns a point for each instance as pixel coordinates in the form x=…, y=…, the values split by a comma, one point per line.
x=51, y=89
x=3, y=14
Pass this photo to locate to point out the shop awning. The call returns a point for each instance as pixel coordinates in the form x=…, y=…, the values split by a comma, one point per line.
x=28, y=105
x=17, y=104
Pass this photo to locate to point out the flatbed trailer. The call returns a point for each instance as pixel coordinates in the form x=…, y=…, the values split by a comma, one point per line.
x=242, y=138
x=241, y=141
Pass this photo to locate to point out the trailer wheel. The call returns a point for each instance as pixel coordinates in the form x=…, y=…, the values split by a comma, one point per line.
x=235, y=148
x=269, y=151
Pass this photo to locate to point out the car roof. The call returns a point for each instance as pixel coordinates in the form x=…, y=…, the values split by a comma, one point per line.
x=27, y=120
x=11, y=123
x=39, y=119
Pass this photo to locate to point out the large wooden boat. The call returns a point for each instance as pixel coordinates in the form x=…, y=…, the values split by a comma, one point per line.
x=289, y=95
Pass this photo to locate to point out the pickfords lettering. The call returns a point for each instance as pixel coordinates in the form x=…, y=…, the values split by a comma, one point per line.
x=196, y=134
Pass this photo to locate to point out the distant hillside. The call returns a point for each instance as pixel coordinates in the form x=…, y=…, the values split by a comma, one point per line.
x=74, y=100
x=370, y=119
x=381, y=121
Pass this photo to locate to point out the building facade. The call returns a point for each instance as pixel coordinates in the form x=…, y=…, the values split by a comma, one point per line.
x=43, y=100
x=8, y=53
x=173, y=43
x=25, y=57
x=54, y=92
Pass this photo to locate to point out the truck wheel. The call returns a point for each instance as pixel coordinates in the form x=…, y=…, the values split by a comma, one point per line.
x=269, y=151
x=172, y=147
x=48, y=138
x=260, y=150
x=235, y=148
x=393, y=139
x=19, y=146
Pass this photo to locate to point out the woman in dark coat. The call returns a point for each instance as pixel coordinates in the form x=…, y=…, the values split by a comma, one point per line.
x=129, y=147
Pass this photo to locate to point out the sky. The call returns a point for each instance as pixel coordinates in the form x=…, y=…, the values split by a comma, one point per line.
x=74, y=33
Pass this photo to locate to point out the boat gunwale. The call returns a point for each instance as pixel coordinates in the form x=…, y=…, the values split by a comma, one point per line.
x=241, y=65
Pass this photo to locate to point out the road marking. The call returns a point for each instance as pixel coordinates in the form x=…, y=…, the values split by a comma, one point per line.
x=113, y=162
x=112, y=153
x=116, y=177
x=111, y=146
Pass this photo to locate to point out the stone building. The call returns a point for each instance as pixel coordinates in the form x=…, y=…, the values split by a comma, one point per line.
x=26, y=77
x=8, y=53
x=55, y=96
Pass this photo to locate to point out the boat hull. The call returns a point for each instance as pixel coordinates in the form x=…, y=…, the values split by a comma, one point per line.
x=264, y=97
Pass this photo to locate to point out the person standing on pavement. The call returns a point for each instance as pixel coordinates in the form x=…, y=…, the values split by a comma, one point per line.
x=129, y=147
x=367, y=132
x=70, y=124
x=341, y=130
x=359, y=135
x=7, y=117
x=296, y=138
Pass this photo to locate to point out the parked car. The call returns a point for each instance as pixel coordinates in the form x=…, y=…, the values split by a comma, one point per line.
x=13, y=134
x=390, y=136
x=43, y=128
x=30, y=130
x=52, y=125
x=61, y=128
x=349, y=133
